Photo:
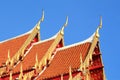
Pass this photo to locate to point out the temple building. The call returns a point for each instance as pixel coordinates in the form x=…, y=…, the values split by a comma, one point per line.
x=27, y=57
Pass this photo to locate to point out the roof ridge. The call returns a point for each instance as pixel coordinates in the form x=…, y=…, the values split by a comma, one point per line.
x=78, y=43
x=20, y=35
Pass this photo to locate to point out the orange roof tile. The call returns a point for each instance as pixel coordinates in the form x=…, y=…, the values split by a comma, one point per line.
x=29, y=61
x=64, y=58
x=13, y=45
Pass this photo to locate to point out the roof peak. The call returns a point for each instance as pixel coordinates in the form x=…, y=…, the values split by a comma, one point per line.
x=20, y=35
x=55, y=36
x=78, y=43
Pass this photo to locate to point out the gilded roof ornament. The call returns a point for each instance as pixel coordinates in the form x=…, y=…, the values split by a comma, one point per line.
x=25, y=77
x=70, y=73
x=9, y=55
x=81, y=62
x=10, y=76
x=21, y=69
x=99, y=27
x=66, y=23
x=21, y=72
x=11, y=63
x=8, y=60
x=36, y=64
x=41, y=20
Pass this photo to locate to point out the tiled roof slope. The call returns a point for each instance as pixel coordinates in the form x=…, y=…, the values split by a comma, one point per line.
x=65, y=58
x=40, y=49
x=12, y=45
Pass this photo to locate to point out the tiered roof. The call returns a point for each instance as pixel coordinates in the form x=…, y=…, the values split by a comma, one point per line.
x=11, y=45
x=65, y=58
x=38, y=49
x=53, y=58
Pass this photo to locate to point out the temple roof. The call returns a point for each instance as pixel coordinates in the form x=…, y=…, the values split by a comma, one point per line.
x=65, y=57
x=12, y=45
x=53, y=58
x=38, y=48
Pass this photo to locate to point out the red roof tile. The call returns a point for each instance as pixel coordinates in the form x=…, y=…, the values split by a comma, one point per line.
x=65, y=58
x=13, y=45
x=29, y=60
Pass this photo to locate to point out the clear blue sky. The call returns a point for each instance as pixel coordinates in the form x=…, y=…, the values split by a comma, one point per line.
x=19, y=16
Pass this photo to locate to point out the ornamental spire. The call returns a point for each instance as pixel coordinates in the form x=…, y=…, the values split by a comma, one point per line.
x=25, y=77
x=21, y=73
x=81, y=62
x=99, y=27
x=10, y=76
x=8, y=60
x=70, y=73
x=41, y=20
x=21, y=70
x=36, y=64
x=45, y=61
x=66, y=23
x=9, y=55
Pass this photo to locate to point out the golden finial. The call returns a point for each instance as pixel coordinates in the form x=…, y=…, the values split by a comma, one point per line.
x=36, y=64
x=21, y=72
x=11, y=62
x=21, y=69
x=40, y=65
x=36, y=58
x=90, y=58
x=99, y=27
x=9, y=55
x=8, y=61
x=42, y=16
x=66, y=23
x=41, y=20
x=45, y=61
x=18, y=55
x=70, y=73
x=25, y=77
x=30, y=75
x=81, y=62
x=10, y=76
